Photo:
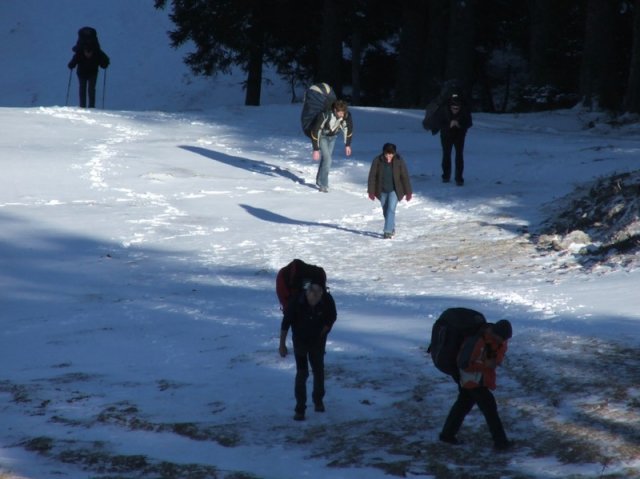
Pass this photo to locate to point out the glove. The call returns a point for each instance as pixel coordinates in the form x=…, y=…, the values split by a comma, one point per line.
x=71, y=66
x=372, y=196
x=409, y=196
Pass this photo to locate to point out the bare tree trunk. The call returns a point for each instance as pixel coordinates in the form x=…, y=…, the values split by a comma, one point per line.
x=356, y=62
x=541, y=42
x=632, y=99
x=460, y=42
x=256, y=54
x=436, y=52
x=254, y=77
x=507, y=90
x=410, y=52
x=597, y=68
x=330, y=46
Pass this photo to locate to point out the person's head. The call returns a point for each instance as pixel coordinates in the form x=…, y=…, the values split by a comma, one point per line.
x=340, y=108
x=501, y=331
x=455, y=102
x=313, y=292
x=389, y=151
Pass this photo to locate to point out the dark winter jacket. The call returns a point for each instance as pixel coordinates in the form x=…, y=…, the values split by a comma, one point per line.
x=401, y=180
x=327, y=124
x=306, y=321
x=88, y=66
x=463, y=117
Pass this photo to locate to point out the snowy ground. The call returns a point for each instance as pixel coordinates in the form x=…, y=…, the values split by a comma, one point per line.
x=140, y=324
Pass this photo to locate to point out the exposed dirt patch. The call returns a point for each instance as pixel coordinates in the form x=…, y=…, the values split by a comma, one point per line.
x=597, y=223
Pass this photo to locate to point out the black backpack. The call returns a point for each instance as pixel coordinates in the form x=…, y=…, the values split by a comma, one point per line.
x=318, y=98
x=433, y=116
x=87, y=38
x=447, y=335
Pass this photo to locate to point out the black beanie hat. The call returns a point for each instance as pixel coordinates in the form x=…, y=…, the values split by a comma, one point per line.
x=389, y=148
x=503, y=329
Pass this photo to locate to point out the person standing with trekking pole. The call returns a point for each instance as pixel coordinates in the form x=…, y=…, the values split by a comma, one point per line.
x=88, y=58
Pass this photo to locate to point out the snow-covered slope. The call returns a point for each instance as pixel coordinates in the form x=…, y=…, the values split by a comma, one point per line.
x=145, y=73
x=140, y=323
x=138, y=254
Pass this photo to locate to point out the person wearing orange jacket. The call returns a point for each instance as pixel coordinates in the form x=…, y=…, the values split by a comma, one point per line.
x=477, y=360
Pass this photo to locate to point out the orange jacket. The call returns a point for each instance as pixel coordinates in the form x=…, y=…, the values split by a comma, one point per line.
x=485, y=356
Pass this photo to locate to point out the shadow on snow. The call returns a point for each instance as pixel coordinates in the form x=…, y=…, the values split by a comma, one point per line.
x=266, y=215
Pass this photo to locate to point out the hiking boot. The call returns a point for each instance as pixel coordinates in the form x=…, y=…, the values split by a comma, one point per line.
x=298, y=416
x=449, y=439
x=319, y=406
x=387, y=235
x=460, y=182
x=503, y=445
x=445, y=180
x=323, y=189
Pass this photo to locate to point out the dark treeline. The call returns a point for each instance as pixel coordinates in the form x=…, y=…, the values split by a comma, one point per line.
x=507, y=55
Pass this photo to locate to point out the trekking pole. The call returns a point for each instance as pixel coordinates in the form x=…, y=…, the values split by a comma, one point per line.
x=104, y=87
x=66, y=102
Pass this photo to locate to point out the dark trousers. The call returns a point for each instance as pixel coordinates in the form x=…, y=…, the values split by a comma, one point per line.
x=306, y=354
x=88, y=85
x=452, y=138
x=467, y=398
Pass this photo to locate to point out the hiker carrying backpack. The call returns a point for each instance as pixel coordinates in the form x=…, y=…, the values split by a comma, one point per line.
x=88, y=57
x=483, y=349
x=323, y=118
x=87, y=38
x=291, y=278
x=447, y=335
x=317, y=99
x=310, y=314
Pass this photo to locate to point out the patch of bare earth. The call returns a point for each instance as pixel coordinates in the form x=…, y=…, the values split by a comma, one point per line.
x=598, y=224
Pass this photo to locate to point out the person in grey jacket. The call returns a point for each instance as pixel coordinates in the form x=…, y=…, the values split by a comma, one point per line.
x=389, y=182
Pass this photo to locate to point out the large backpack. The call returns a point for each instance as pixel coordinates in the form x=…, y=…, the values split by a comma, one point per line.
x=317, y=98
x=433, y=113
x=433, y=116
x=87, y=37
x=448, y=334
x=291, y=278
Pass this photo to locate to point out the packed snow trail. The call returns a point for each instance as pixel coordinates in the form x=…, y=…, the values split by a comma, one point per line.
x=142, y=322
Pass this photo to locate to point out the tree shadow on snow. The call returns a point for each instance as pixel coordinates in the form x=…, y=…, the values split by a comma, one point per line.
x=254, y=166
x=266, y=215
